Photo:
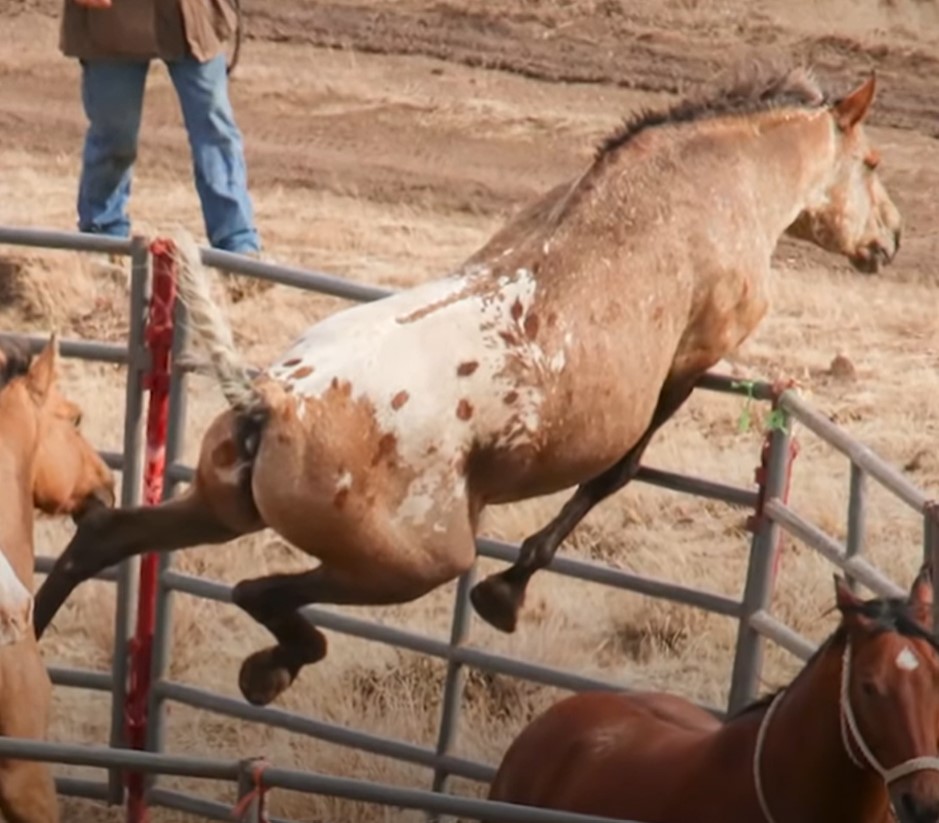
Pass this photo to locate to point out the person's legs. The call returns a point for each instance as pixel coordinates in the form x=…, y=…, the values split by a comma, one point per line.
x=217, y=153
x=112, y=95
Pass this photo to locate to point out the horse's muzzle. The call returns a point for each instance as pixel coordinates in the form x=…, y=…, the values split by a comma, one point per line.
x=873, y=257
x=912, y=807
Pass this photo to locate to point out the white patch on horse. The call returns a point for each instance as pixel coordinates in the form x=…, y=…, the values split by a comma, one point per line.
x=436, y=363
x=344, y=482
x=16, y=605
x=906, y=660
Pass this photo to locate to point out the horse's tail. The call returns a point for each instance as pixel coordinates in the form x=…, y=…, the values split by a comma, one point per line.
x=209, y=326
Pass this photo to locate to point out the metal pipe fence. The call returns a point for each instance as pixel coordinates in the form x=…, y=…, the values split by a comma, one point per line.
x=767, y=499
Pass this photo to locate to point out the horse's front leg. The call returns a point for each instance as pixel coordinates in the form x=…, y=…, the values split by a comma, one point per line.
x=107, y=536
x=499, y=597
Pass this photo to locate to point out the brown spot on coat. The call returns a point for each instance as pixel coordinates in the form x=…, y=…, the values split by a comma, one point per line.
x=386, y=447
x=510, y=398
x=303, y=371
x=340, y=498
x=464, y=409
x=517, y=309
x=509, y=337
x=399, y=399
x=531, y=326
x=467, y=368
x=293, y=361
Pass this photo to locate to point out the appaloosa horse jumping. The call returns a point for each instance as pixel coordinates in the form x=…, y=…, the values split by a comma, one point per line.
x=547, y=360
x=852, y=737
x=45, y=463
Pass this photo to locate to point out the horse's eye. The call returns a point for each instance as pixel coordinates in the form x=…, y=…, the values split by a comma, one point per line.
x=869, y=689
x=78, y=420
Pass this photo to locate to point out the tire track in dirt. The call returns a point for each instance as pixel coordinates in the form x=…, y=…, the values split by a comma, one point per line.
x=613, y=49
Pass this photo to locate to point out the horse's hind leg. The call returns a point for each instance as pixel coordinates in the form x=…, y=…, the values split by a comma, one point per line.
x=498, y=598
x=274, y=602
x=107, y=536
x=27, y=792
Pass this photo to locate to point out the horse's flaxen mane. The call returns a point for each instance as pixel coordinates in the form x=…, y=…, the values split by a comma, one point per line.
x=887, y=614
x=752, y=88
x=15, y=358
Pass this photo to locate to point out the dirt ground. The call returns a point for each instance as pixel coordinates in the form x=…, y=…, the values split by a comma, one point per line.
x=385, y=143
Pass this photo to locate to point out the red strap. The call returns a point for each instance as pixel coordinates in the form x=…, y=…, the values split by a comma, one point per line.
x=240, y=809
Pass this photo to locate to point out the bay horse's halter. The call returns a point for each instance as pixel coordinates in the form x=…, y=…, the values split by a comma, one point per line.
x=849, y=733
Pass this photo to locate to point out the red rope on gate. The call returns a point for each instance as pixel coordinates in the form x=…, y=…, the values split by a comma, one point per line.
x=240, y=809
x=159, y=342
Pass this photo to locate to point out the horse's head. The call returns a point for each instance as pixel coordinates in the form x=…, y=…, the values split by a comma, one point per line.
x=890, y=695
x=851, y=213
x=68, y=474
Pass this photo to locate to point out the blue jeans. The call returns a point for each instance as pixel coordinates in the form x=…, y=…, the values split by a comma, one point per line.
x=112, y=94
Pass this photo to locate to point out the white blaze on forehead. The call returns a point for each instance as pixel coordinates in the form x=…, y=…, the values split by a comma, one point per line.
x=907, y=660
x=16, y=605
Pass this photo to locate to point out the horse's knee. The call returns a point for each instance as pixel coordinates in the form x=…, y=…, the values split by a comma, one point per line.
x=77, y=561
x=253, y=597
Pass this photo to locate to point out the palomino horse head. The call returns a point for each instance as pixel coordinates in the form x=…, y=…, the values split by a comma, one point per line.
x=890, y=695
x=853, y=215
x=68, y=474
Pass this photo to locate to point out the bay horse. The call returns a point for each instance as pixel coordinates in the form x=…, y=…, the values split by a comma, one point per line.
x=548, y=359
x=45, y=464
x=851, y=739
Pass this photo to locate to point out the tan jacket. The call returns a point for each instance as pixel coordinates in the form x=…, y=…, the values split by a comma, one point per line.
x=146, y=29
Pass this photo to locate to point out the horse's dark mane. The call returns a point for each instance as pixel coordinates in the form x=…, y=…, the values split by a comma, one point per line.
x=754, y=87
x=15, y=358
x=888, y=614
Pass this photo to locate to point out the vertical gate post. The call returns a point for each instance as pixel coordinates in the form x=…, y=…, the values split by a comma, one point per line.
x=856, y=513
x=250, y=807
x=931, y=548
x=773, y=477
x=453, y=685
x=159, y=338
x=162, y=629
x=137, y=366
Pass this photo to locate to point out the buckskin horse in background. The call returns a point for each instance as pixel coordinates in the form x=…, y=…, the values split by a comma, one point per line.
x=851, y=739
x=45, y=463
x=547, y=360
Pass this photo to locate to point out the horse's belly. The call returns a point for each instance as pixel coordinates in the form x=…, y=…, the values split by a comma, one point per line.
x=575, y=443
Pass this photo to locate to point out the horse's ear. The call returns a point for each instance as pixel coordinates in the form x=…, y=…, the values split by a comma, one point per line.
x=921, y=592
x=851, y=110
x=844, y=597
x=920, y=599
x=42, y=370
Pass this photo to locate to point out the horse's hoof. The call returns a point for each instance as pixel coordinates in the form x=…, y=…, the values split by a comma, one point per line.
x=263, y=678
x=498, y=602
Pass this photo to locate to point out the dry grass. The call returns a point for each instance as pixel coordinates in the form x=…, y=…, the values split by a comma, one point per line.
x=823, y=317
